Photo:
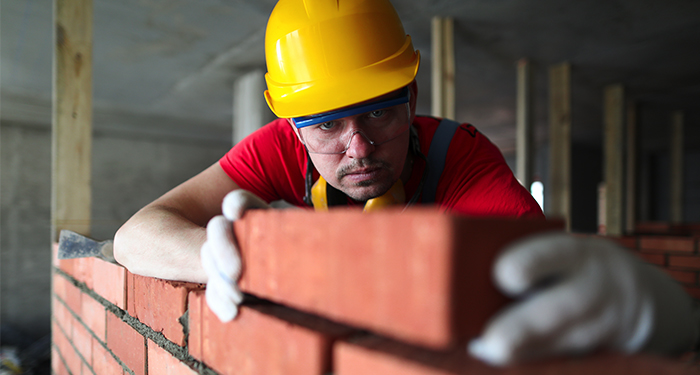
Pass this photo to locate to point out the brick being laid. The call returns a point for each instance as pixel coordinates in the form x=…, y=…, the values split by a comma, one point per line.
x=421, y=276
x=376, y=355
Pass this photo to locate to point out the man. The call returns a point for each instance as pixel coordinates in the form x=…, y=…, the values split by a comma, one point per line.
x=341, y=79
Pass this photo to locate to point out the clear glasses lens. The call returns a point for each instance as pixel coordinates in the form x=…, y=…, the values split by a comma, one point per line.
x=378, y=126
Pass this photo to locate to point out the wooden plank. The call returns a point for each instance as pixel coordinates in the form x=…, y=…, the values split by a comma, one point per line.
x=676, y=152
x=443, y=68
x=524, y=124
x=72, y=117
x=558, y=203
x=614, y=126
x=631, y=170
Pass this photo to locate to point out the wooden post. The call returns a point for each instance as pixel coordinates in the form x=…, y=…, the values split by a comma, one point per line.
x=250, y=111
x=631, y=170
x=614, y=127
x=524, y=124
x=676, y=159
x=72, y=117
x=443, y=68
x=559, y=202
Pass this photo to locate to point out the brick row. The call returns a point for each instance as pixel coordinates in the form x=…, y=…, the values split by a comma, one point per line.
x=161, y=362
x=420, y=276
x=373, y=355
x=159, y=304
x=690, y=262
x=263, y=339
x=127, y=344
x=667, y=244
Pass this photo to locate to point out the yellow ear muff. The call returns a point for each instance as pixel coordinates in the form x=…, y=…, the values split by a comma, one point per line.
x=395, y=195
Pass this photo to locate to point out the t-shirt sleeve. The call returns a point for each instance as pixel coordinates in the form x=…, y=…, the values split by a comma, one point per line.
x=270, y=163
x=477, y=181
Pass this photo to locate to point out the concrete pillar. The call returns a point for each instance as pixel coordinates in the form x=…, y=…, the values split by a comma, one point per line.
x=524, y=153
x=71, y=137
x=443, y=68
x=250, y=111
x=613, y=159
x=676, y=153
x=631, y=170
x=558, y=203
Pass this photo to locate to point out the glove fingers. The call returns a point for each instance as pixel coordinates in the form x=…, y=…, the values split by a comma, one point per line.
x=225, y=308
x=527, y=264
x=238, y=201
x=544, y=324
x=221, y=248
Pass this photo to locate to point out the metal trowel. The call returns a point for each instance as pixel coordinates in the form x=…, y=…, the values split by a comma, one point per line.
x=72, y=245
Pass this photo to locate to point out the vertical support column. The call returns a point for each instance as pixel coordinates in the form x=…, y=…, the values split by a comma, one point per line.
x=443, y=77
x=614, y=127
x=72, y=117
x=559, y=202
x=631, y=169
x=677, y=151
x=250, y=111
x=524, y=124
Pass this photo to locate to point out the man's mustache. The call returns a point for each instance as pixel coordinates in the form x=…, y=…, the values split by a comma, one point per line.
x=358, y=164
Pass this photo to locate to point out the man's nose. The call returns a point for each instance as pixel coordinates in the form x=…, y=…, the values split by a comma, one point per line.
x=359, y=146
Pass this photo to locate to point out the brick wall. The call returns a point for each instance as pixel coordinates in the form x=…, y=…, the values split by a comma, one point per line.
x=385, y=293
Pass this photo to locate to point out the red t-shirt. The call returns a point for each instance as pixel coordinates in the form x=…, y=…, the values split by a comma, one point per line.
x=476, y=180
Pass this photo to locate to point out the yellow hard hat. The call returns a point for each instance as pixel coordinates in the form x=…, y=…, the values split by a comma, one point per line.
x=327, y=54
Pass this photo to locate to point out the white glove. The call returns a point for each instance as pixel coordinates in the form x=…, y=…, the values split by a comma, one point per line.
x=583, y=294
x=220, y=257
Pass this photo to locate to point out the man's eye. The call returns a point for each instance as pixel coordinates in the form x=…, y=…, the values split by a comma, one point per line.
x=376, y=114
x=327, y=125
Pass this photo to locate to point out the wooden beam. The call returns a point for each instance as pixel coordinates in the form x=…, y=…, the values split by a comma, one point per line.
x=524, y=124
x=72, y=117
x=677, y=150
x=631, y=169
x=613, y=161
x=558, y=203
x=443, y=68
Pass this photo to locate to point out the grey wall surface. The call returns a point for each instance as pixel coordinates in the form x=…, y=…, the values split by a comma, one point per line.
x=129, y=170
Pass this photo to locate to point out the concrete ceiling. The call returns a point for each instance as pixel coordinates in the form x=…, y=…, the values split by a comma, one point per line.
x=178, y=58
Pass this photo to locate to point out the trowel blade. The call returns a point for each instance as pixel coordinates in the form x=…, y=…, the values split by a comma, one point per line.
x=73, y=245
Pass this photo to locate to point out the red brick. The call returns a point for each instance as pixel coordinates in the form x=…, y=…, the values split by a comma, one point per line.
x=653, y=227
x=667, y=243
x=127, y=344
x=160, y=362
x=267, y=340
x=378, y=356
x=66, y=350
x=94, y=316
x=62, y=316
x=57, y=366
x=109, y=281
x=420, y=276
x=103, y=363
x=658, y=259
x=196, y=302
x=82, y=341
x=684, y=261
x=73, y=297
x=79, y=268
x=685, y=277
x=159, y=304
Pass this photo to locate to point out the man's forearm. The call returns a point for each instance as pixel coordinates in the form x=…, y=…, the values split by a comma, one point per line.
x=160, y=242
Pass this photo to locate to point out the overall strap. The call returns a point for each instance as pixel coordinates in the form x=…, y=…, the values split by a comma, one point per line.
x=436, y=157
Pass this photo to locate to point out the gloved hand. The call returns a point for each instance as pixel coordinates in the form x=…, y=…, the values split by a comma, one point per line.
x=220, y=257
x=582, y=294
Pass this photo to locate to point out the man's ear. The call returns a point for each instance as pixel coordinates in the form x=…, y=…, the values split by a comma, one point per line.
x=294, y=128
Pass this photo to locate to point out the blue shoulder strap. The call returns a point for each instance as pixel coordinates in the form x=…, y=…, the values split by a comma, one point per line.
x=436, y=157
